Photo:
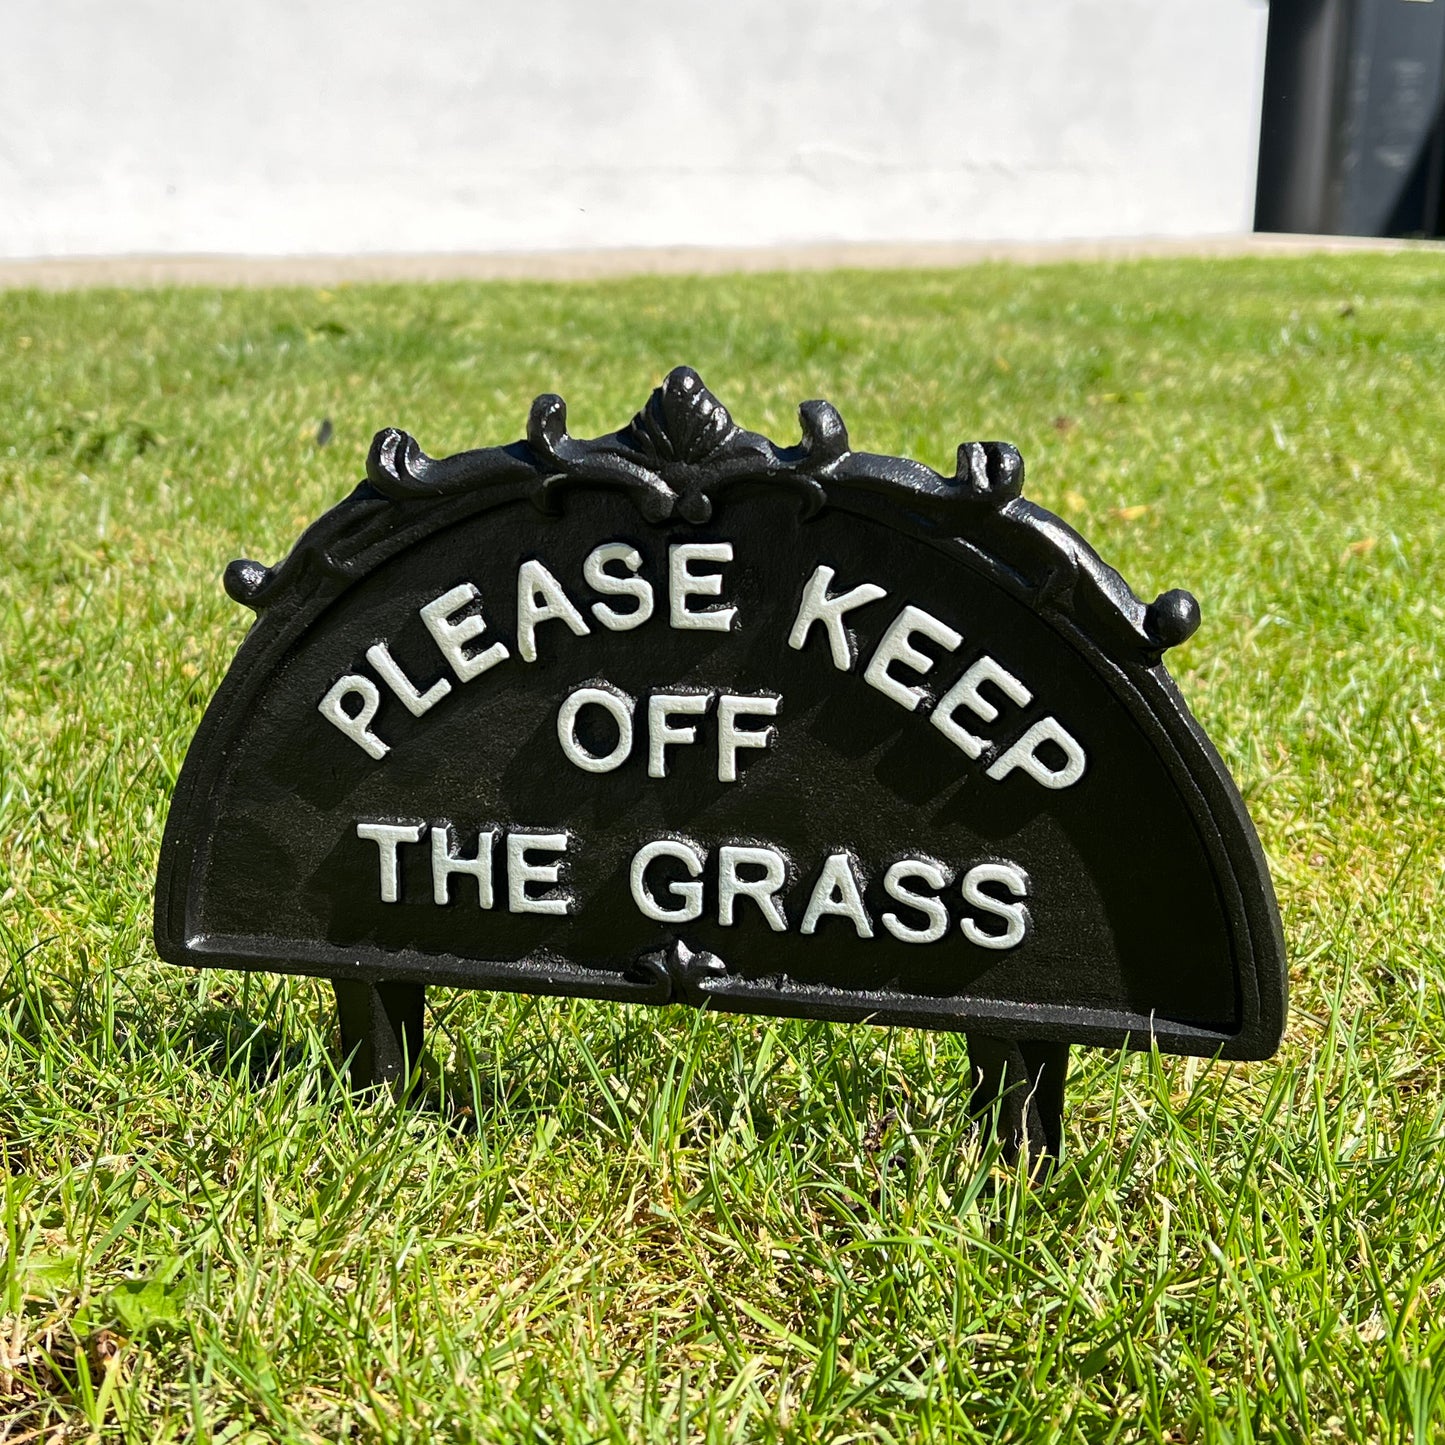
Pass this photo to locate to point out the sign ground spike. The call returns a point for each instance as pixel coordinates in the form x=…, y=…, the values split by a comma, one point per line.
x=383, y=1028
x=1018, y=1096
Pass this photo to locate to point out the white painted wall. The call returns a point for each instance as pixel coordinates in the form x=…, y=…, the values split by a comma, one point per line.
x=316, y=126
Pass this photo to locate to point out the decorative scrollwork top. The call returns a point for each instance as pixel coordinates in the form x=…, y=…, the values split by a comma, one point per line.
x=683, y=450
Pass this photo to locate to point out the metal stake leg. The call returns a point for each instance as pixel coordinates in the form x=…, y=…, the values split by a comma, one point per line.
x=1023, y=1079
x=382, y=1030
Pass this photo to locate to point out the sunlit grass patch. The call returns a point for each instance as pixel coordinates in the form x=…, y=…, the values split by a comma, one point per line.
x=639, y=1225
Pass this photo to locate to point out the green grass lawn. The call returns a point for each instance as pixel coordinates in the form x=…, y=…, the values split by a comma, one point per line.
x=659, y=1225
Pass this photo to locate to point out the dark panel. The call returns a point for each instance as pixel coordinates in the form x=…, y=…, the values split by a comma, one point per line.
x=1352, y=133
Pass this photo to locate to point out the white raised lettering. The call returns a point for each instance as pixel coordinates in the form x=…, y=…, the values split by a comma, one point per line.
x=896, y=646
x=1025, y=754
x=837, y=892
x=689, y=894
x=730, y=737
x=730, y=886
x=1015, y=915
x=356, y=726
x=445, y=862
x=818, y=606
x=610, y=585
x=452, y=636
x=540, y=599
x=390, y=672
x=520, y=872
x=388, y=837
x=965, y=693
x=894, y=885
x=618, y=705
x=660, y=706
x=682, y=584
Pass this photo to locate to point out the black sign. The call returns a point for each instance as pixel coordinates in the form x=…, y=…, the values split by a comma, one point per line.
x=682, y=715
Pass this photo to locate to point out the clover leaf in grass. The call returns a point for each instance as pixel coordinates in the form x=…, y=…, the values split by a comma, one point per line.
x=47, y=1274
x=137, y=1305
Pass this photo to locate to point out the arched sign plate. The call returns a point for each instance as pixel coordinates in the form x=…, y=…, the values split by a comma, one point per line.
x=679, y=714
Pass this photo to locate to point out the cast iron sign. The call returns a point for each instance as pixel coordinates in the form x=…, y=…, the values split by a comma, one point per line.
x=682, y=715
